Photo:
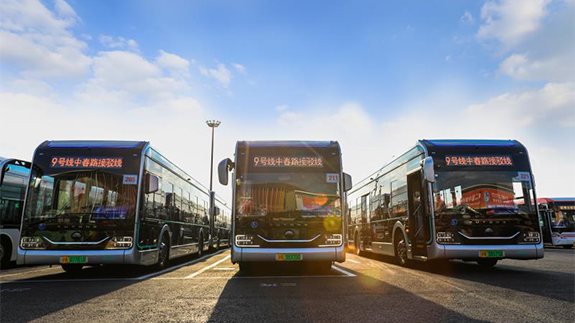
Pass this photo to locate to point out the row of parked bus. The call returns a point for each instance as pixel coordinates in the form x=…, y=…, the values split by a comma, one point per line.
x=110, y=202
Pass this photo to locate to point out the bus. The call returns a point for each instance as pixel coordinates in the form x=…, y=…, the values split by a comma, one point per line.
x=558, y=221
x=13, y=177
x=288, y=199
x=115, y=202
x=449, y=199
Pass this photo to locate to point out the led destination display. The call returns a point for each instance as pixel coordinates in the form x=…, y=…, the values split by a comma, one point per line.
x=278, y=161
x=85, y=162
x=478, y=161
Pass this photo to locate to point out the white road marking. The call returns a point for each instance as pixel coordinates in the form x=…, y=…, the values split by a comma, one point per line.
x=354, y=261
x=208, y=267
x=225, y=268
x=345, y=272
x=179, y=266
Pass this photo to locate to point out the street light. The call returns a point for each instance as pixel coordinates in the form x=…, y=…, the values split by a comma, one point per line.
x=212, y=124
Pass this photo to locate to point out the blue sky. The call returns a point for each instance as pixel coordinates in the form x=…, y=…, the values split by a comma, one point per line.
x=374, y=75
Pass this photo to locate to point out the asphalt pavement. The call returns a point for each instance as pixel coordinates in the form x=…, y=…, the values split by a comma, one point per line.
x=363, y=289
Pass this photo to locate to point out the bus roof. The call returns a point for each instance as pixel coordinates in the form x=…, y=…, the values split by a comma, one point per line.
x=556, y=199
x=469, y=142
x=289, y=143
x=93, y=144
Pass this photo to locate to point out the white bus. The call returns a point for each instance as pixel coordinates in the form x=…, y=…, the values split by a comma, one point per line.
x=558, y=221
x=115, y=202
x=13, y=177
x=449, y=199
x=288, y=199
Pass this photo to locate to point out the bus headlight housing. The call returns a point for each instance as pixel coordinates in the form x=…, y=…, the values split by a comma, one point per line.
x=245, y=240
x=445, y=237
x=32, y=243
x=333, y=240
x=120, y=243
x=531, y=237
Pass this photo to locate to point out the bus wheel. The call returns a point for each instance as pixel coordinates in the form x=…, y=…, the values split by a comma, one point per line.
x=400, y=250
x=246, y=267
x=569, y=246
x=163, y=253
x=356, y=242
x=201, y=246
x=72, y=269
x=4, y=255
x=486, y=263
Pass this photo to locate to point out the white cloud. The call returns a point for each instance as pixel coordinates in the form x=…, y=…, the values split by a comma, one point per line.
x=281, y=108
x=176, y=65
x=466, y=19
x=519, y=66
x=40, y=43
x=239, y=67
x=221, y=74
x=510, y=20
x=118, y=42
x=64, y=10
x=31, y=86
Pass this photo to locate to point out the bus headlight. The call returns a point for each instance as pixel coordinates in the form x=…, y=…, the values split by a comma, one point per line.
x=245, y=240
x=445, y=237
x=32, y=243
x=531, y=237
x=333, y=240
x=120, y=243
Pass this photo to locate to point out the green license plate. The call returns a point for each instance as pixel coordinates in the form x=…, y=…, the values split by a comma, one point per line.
x=289, y=257
x=491, y=254
x=73, y=260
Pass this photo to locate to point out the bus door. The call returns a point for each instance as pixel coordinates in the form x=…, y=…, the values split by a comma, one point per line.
x=365, y=225
x=546, y=215
x=418, y=218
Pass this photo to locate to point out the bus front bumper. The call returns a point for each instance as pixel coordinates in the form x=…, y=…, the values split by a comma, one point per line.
x=54, y=257
x=526, y=251
x=270, y=254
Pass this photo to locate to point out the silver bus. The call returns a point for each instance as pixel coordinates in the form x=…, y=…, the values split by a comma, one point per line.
x=449, y=199
x=115, y=202
x=288, y=200
x=13, y=177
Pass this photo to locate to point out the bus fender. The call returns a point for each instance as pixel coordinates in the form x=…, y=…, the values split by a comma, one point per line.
x=165, y=229
x=401, y=228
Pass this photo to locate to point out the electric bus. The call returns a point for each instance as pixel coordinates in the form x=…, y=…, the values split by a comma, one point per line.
x=288, y=200
x=449, y=199
x=13, y=177
x=115, y=202
x=558, y=221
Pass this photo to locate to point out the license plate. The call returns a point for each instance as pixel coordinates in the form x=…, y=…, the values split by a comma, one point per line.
x=73, y=260
x=491, y=254
x=289, y=257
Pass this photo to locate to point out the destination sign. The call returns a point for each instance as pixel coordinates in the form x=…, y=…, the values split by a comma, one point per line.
x=567, y=207
x=478, y=161
x=279, y=161
x=86, y=162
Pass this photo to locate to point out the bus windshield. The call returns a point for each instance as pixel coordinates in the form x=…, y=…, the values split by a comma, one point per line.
x=563, y=219
x=478, y=193
x=287, y=195
x=80, y=197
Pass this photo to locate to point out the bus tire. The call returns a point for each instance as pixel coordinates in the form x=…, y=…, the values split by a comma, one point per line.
x=246, y=267
x=487, y=262
x=163, y=253
x=569, y=246
x=201, y=245
x=400, y=249
x=5, y=253
x=357, y=245
x=72, y=269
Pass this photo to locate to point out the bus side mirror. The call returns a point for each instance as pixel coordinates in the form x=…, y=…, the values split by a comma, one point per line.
x=428, y=171
x=347, y=182
x=152, y=182
x=224, y=167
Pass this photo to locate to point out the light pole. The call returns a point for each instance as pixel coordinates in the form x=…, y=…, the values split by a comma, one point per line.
x=212, y=124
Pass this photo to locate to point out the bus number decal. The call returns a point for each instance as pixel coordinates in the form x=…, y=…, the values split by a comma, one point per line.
x=332, y=178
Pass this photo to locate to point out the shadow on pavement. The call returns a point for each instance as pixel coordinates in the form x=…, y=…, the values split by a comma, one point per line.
x=39, y=299
x=324, y=299
x=549, y=284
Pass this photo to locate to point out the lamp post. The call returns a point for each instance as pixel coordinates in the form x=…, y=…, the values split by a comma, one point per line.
x=212, y=124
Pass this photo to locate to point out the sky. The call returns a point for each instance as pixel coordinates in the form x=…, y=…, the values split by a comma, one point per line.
x=374, y=75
